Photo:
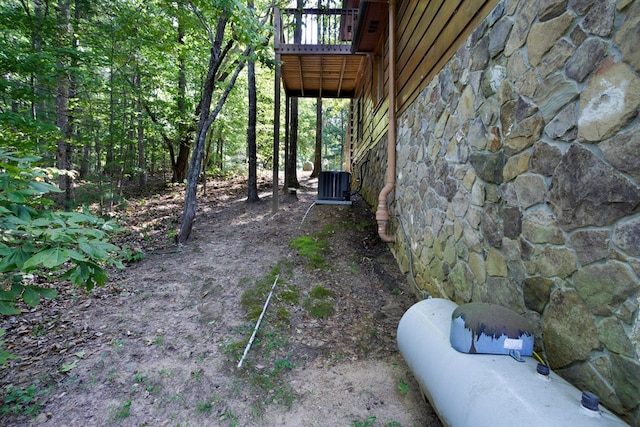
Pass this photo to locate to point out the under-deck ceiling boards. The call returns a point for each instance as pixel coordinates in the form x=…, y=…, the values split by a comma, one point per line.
x=326, y=75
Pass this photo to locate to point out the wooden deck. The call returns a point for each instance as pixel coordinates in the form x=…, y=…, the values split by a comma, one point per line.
x=314, y=48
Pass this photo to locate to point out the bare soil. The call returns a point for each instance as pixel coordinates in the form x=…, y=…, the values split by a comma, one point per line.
x=160, y=344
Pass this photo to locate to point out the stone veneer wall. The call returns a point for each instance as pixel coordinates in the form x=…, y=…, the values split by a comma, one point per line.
x=518, y=178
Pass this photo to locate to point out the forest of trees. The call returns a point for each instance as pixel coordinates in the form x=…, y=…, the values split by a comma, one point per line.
x=98, y=95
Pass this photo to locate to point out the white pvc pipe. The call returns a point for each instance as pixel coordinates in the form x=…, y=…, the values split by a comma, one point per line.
x=486, y=390
x=255, y=330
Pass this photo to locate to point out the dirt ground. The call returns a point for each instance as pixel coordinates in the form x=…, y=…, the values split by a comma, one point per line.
x=160, y=344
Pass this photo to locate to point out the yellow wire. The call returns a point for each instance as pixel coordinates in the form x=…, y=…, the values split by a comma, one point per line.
x=537, y=356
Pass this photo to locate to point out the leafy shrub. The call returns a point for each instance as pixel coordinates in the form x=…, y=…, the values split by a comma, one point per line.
x=36, y=240
x=20, y=401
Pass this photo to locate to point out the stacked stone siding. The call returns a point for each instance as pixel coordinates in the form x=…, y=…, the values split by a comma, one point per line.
x=518, y=183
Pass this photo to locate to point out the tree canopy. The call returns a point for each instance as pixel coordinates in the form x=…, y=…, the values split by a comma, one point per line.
x=96, y=95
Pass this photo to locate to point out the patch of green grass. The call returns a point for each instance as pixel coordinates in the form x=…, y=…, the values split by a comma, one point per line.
x=359, y=226
x=319, y=309
x=268, y=365
x=204, y=407
x=319, y=303
x=159, y=340
x=283, y=314
x=290, y=294
x=254, y=297
x=271, y=381
x=320, y=292
x=165, y=372
x=231, y=417
x=403, y=387
x=233, y=349
x=311, y=247
x=147, y=383
x=121, y=412
x=369, y=422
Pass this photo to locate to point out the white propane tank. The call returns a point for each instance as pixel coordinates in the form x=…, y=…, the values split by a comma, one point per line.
x=476, y=390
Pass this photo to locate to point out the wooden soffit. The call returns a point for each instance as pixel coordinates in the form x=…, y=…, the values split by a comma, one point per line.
x=373, y=16
x=321, y=75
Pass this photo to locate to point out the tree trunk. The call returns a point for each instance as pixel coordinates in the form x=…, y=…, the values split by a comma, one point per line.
x=142, y=160
x=38, y=104
x=292, y=175
x=220, y=152
x=184, y=136
x=207, y=117
x=217, y=57
x=109, y=166
x=291, y=161
x=182, y=162
x=317, y=158
x=63, y=152
x=252, y=149
x=287, y=130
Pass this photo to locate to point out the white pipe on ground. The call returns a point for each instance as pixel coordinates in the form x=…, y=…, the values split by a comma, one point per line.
x=486, y=390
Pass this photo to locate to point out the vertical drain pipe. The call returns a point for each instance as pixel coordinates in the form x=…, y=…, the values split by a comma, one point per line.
x=382, y=213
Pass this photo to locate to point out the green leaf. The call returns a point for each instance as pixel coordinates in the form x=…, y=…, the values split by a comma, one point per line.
x=68, y=366
x=44, y=187
x=4, y=356
x=49, y=258
x=14, y=261
x=7, y=296
x=45, y=292
x=41, y=222
x=5, y=250
x=97, y=250
x=78, y=218
x=8, y=309
x=25, y=213
x=30, y=297
x=16, y=197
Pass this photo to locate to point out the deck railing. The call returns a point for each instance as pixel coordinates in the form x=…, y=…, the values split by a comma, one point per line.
x=315, y=26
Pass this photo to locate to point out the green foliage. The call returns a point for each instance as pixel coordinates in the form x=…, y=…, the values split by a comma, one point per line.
x=38, y=241
x=121, y=412
x=272, y=382
x=369, y=422
x=403, y=387
x=320, y=302
x=4, y=355
x=204, y=407
x=19, y=401
x=320, y=292
x=290, y=294
x=254, y=297
x=319, y=309
x=334, y=121
x=311, y=247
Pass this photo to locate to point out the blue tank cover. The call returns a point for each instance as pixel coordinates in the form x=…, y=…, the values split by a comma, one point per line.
x=491, y=329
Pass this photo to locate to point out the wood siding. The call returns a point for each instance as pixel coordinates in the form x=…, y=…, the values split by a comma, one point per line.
x=428, y=33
